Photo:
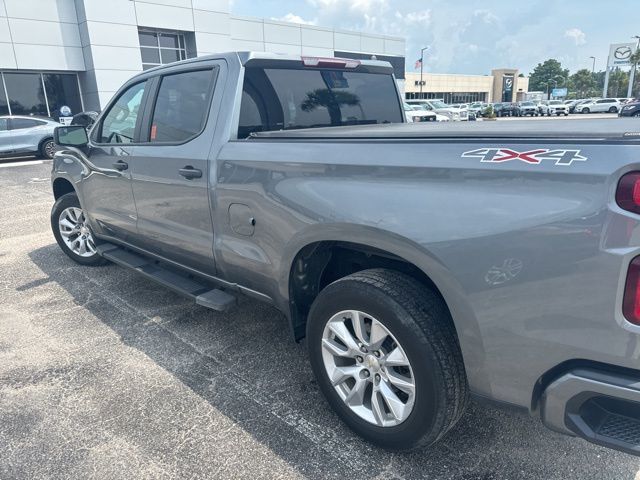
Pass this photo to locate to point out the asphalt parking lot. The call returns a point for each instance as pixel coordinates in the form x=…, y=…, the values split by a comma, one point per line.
x=104, y=374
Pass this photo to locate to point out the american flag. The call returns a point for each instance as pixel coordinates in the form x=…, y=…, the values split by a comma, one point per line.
x=418, y=63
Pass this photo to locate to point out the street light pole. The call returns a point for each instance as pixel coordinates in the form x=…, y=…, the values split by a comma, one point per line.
x=593, y=67
x=422, y=50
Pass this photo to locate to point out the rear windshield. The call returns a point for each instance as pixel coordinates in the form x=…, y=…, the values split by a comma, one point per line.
x=285, y=99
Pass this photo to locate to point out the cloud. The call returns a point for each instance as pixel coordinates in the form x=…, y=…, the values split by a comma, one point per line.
x=578, y=36
x=290, y=17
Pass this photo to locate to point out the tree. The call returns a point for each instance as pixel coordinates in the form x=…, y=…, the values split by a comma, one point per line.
x=546, y=74
x=582, y=83
x=635, y=60
x=618, y=83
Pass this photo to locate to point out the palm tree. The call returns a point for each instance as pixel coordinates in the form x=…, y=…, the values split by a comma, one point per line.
x=635, y=60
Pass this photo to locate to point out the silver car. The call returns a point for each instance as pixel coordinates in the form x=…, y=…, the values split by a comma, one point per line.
x=23, y=135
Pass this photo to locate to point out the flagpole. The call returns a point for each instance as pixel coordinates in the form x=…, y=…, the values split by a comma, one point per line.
x=421, y=63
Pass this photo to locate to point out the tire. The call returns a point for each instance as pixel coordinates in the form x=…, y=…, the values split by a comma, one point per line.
x=419, y=321
x=47, y=148
x=566, y=114
x=613, y=110
x=637, y=114
x=585, y=110
x=63, y=210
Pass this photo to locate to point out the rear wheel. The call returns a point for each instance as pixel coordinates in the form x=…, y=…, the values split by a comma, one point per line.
x=384, y=351
x=72, y=232
x=613, y=110
x=47, y=148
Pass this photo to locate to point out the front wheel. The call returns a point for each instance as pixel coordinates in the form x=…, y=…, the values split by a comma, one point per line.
x=386, y=357
x=72, y=232
x=586, y=110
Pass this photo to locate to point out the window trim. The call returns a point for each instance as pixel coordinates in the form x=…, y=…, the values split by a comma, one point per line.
x=145, y=128
x=96, y=132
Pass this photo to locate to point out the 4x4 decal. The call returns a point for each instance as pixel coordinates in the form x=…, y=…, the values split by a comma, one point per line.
x=498, y=155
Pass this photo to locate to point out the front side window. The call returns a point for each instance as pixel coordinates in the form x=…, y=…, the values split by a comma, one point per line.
x=181, y=106
x=119, y=124
x=291, y=98
x=3, y=124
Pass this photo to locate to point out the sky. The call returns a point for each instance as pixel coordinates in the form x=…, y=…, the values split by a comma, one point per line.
x=472, y=37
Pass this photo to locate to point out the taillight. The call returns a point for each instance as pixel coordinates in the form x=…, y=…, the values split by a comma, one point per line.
x=628, y=192
x=631, y=300
x=330, y=62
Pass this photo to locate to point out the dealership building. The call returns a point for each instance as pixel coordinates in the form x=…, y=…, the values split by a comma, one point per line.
x=503, y=85
x=78, y=52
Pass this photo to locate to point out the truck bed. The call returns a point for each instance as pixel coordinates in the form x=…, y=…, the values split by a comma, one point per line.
x=591, y=130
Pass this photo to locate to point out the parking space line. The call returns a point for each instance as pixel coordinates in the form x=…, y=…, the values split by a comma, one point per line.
x=21, y=164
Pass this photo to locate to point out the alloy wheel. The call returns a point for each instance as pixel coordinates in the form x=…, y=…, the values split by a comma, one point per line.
x=368, y=368
x=49, y=149
x=76, y=233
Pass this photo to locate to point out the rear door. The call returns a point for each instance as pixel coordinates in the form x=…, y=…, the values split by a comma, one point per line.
x=170, y=169
x=26, y=133
x=5, y=137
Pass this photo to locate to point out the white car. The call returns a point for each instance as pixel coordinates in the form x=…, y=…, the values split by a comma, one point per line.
x=442, y=118
x=611, y=105
x=415, y=113
x=438, y=106
x=558, y=107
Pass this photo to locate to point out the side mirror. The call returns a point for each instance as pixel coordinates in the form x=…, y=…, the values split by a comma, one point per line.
x=71, y=136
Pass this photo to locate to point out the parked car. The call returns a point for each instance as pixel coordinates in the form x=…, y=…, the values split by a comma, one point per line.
x=438, y=106
x=574, y=103
x=557, y=107
x=630, y=109
x=415, y=113
x=368, y=235
x=528, y=108
x=477, y=108
x=25, y=135
x=543, y=108
x=506, y=109
x=611, y=105
x=86, y=119
x=461, y=109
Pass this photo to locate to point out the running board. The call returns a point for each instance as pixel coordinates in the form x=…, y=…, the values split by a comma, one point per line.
x=202, y=293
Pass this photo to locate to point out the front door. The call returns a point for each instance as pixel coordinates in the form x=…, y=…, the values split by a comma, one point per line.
x=5, y=137
x=106, y=191
x=170, y=169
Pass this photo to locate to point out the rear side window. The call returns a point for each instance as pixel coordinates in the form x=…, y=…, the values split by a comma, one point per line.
x=19, y=123
x=283, y=99
x=3, y=124
x=181, y=107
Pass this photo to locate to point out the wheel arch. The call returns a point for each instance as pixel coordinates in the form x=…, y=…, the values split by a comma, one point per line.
x=309, y=267
x=62, y=186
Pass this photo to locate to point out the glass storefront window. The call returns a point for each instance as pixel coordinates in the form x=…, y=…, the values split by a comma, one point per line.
x=62, y=89
x=26, y=94
x=39, y=93
x=4, y=109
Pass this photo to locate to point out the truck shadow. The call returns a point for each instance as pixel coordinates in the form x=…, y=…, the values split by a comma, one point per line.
x=245, y=365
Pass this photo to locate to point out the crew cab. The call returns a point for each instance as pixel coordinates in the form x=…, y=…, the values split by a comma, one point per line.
x=424, y=263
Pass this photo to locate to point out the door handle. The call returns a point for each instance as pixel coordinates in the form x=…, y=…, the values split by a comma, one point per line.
x=120, y=165
x=189, y=172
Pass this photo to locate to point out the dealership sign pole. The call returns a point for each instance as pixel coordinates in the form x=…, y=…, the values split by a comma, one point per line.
x=619, y=55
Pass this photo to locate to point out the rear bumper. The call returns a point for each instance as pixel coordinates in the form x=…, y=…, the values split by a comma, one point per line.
x=600, y=407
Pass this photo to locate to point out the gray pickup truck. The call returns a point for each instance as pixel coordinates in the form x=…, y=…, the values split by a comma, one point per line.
x=424, y=263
